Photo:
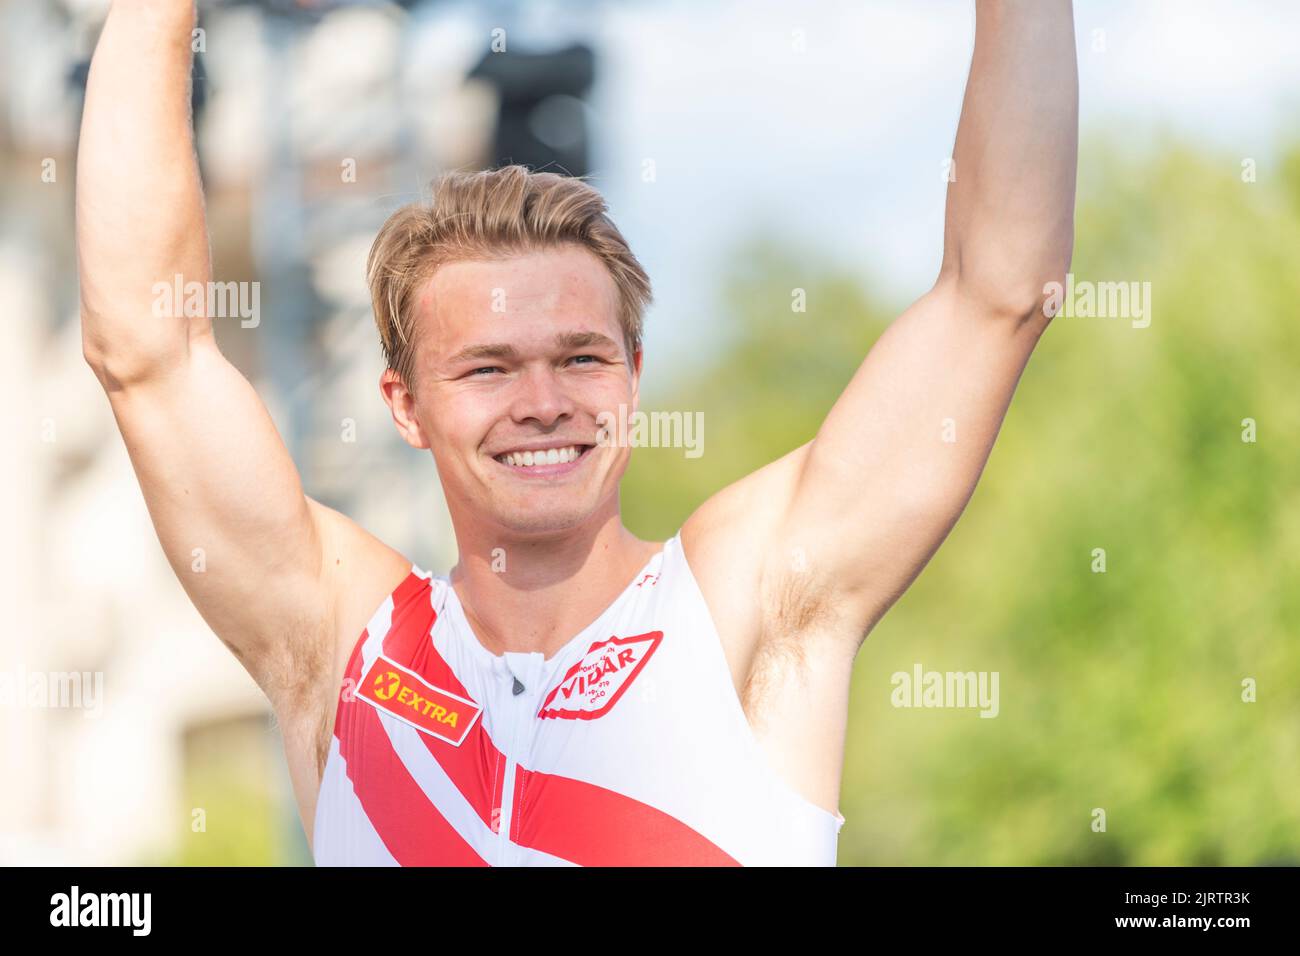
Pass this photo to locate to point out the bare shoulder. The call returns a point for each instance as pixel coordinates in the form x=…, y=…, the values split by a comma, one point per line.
x=744, y=513
x=358, y=573
x=733, y=542
x=786, y=637
x=358, y=569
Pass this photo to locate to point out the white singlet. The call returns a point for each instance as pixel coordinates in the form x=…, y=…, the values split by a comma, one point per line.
x=629, y=747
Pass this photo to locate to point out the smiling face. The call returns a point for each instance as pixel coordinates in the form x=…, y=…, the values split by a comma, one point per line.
x=515, y=360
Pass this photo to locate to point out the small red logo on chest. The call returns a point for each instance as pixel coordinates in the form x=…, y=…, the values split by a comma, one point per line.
x=592, y=686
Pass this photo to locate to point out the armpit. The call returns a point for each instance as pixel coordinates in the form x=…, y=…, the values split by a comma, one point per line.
x=800, y=613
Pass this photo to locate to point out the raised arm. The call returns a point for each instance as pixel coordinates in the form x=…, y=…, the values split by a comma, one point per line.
x=263, y=564
x=1009, y=221
x=846, y=522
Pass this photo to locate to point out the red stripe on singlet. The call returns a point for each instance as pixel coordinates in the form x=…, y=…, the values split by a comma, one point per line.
x=409, y=825
x=592, y=826
x=575, y=821
x=476, y=767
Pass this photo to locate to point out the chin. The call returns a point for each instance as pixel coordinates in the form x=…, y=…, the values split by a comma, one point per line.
x=539, y=521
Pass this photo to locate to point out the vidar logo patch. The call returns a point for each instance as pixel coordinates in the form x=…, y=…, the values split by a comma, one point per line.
x=408, y=697
x=592, y=686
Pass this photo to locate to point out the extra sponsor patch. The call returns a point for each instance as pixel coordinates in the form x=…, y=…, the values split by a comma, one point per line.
x=592, y=686
x=408, y=697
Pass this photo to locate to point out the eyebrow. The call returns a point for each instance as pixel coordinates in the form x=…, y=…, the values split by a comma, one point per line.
x=563, y=341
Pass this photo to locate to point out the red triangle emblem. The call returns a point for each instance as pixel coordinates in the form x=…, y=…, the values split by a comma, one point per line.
x=594, y=684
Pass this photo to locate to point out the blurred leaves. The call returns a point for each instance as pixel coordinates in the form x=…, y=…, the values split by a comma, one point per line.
x=1120, y=691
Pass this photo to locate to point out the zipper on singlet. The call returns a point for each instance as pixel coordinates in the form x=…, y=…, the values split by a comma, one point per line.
x=520, y=702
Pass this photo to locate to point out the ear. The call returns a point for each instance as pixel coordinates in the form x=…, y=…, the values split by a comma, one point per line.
x=636, y=379
x=402, y=404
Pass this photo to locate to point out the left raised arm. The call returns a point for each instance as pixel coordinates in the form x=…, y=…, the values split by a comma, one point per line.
x=873, y=496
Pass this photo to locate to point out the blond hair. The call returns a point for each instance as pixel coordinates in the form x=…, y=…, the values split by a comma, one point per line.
x=491, y=215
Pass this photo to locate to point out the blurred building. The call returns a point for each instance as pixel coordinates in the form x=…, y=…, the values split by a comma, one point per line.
x=311, y=132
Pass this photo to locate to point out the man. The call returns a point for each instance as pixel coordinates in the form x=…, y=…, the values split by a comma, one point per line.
x=568, y=694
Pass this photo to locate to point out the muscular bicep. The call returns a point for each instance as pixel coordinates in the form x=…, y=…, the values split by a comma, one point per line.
x=230, y=513
x=900, y=452
x=283, y=581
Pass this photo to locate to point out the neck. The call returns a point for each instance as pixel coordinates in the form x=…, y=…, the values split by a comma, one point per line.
x=530, y=593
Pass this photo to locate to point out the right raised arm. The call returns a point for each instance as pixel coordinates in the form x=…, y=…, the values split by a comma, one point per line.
x=276, y=575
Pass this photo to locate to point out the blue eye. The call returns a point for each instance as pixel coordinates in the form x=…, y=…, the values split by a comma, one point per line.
x=485, y=368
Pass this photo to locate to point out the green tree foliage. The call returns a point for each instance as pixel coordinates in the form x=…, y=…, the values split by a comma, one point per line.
x=1119, y=691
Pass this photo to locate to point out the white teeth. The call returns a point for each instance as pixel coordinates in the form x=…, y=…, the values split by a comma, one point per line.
x=550, y=456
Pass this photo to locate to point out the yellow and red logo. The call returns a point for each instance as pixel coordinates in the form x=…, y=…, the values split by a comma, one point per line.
x=408, y=697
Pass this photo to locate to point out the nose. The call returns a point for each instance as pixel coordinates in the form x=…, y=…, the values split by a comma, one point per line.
x=540, y=396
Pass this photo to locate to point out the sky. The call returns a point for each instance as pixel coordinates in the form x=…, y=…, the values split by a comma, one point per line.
x=842, y=147
x=838, y=148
